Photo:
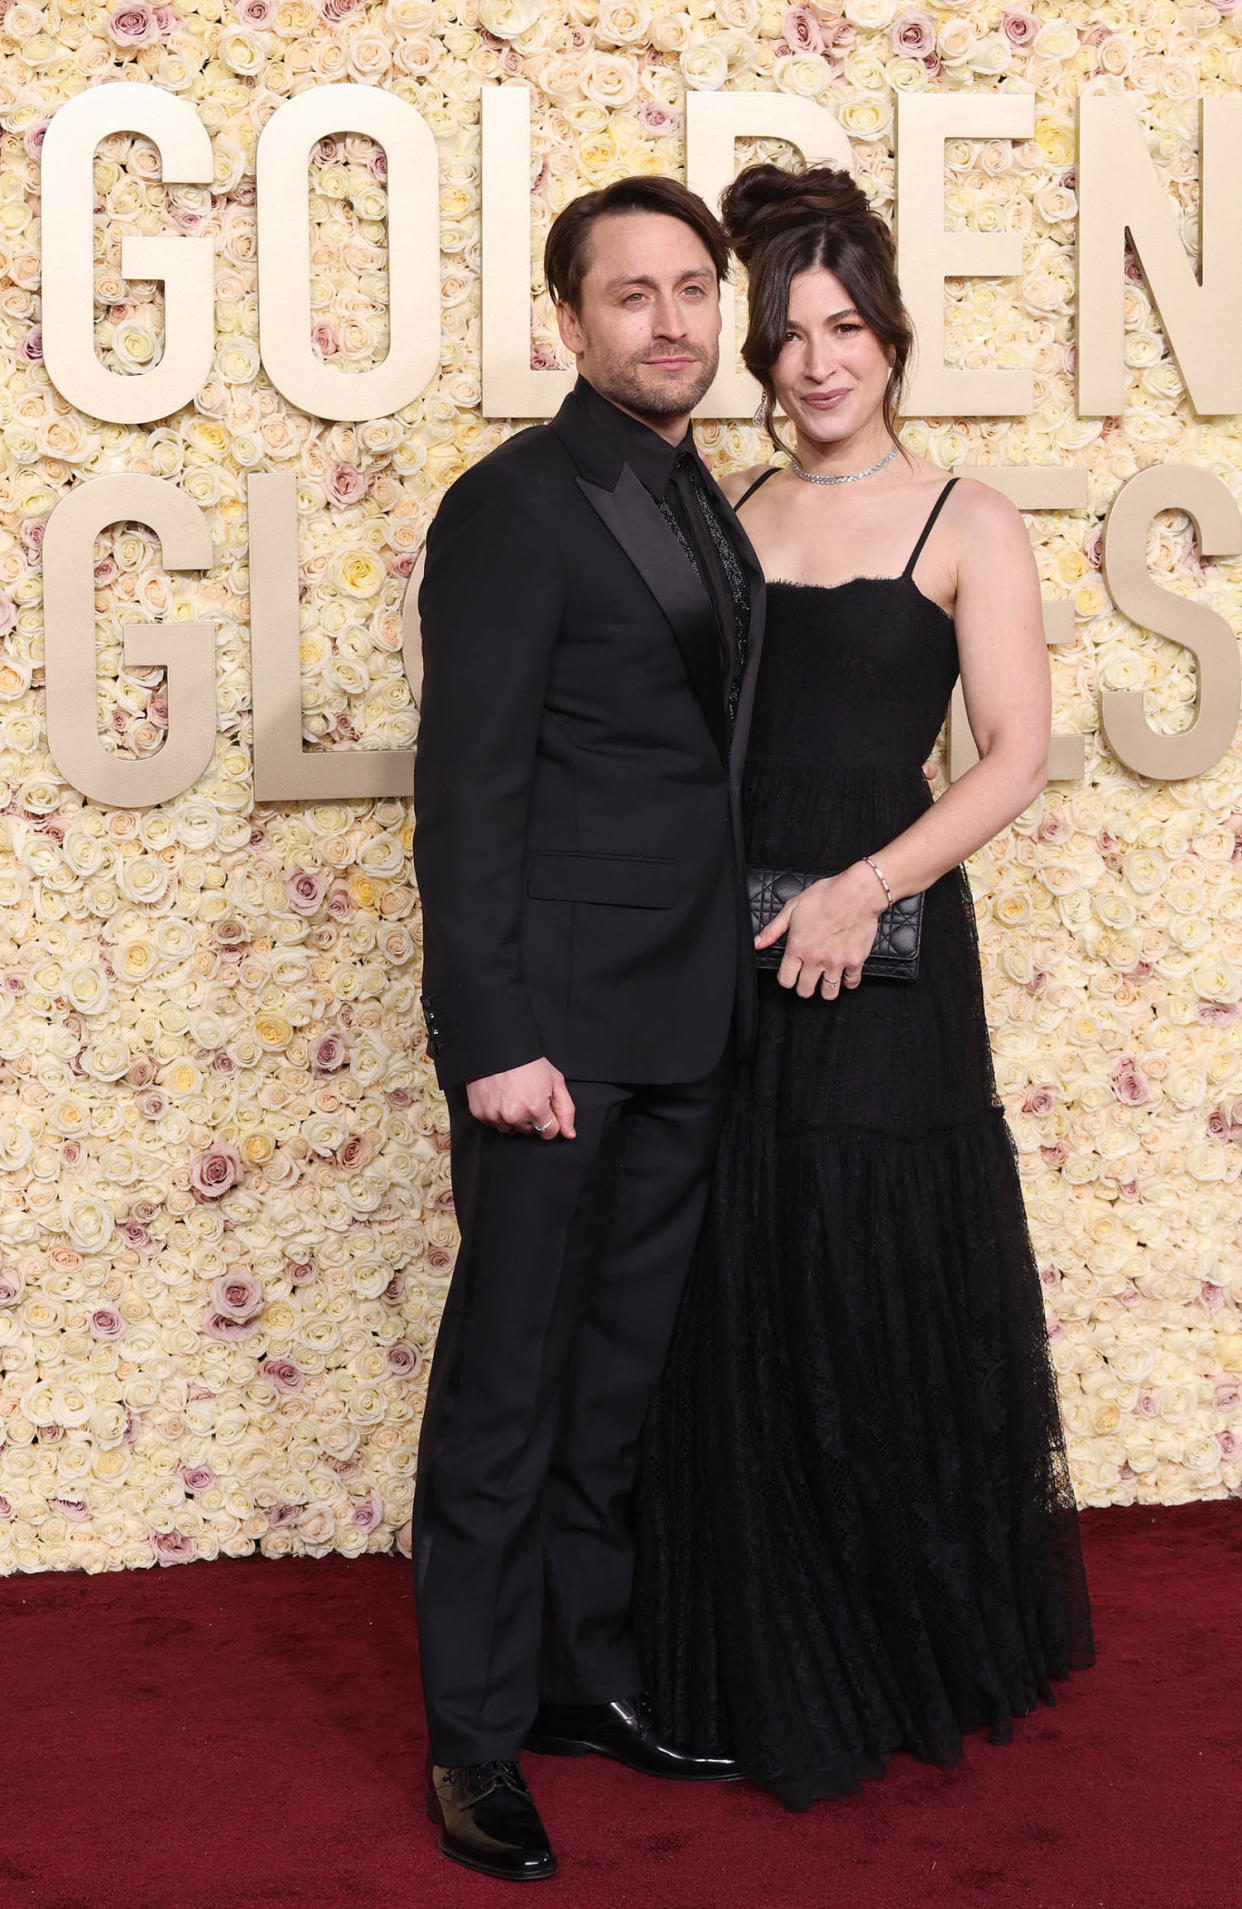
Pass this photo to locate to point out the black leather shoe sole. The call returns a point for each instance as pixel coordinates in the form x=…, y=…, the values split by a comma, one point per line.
x=545, y=1746
x=530, y=1872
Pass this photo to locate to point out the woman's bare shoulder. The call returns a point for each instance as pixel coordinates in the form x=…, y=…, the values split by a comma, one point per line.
x=737, y=483
x=980, y=507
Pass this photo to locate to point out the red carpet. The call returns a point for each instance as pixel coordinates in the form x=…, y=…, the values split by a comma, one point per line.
x=249, y=1733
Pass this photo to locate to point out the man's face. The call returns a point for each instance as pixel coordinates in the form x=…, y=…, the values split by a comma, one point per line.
x=647, y=330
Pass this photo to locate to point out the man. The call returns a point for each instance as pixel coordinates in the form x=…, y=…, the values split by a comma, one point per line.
x=591, y=616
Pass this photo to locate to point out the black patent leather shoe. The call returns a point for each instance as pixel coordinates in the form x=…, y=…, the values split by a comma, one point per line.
x=624, y=1731
x=488, y=1820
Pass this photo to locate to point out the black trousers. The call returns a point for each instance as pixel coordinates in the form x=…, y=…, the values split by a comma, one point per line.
x=572, y=1261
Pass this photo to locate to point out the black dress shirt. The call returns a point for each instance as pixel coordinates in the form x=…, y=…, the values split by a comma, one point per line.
x=674, y=476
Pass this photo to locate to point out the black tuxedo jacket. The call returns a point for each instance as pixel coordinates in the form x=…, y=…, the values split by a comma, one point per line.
x=577, y=838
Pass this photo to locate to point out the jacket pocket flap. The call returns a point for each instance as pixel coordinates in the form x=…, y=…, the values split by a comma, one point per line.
x=626, y=881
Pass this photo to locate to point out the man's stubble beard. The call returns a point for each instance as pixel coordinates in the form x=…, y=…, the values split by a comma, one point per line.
x=619, y=379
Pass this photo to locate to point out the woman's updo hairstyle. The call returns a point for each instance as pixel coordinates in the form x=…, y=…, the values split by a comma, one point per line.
x=781, y=222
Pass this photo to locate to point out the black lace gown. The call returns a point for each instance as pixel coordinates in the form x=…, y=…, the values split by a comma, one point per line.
x=857, y=1531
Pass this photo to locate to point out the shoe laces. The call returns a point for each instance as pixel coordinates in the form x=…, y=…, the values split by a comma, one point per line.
x=479, y=1777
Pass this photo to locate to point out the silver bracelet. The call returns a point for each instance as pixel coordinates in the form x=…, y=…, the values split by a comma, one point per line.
x=875, y=867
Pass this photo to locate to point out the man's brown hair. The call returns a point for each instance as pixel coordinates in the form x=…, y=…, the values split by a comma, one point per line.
x=566, y=255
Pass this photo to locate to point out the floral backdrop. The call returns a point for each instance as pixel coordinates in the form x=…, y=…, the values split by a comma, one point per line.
x=225, y=1219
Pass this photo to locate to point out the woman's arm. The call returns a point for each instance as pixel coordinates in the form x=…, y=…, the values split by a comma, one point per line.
x=1004, y=671
x=1008, y=692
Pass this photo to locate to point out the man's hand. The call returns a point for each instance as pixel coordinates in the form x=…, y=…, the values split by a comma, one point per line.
x=529, y=1099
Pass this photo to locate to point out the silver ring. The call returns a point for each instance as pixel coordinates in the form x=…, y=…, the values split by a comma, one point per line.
x=547, y=1123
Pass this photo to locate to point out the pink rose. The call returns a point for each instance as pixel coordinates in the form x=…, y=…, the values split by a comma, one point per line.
x=230, y=1332
x=1218, y=1013
x=1226, y=1440
x=237, y=1294
x=368, y=1512
x=29, y=349
x=802, y=30
x=6, y=1509
x=1130, y=1084
x=377, y=164
x=255, y=13
x=333, y=10
x=8, y=614
x=213, y=1173
x=31, y=534
x=328, y=1052
x=1227, y=1392
x=133, y=23
x=76, y=1510
x=305, y=889
x=344, y=485
x=172, y=1547
x=339, y=902
x=1053, y=1156
x=196, y=1478
x=134, y=1233
x=32, y=138
x=301, y=1271
x=1053, y=827
x=354, y=1151
x=152, y=1103
x=913, y=35
x=284, y=1375
x=106, y=1323
x=404, y=1360
x=394, y=1291
x=1039, y=1100
x=11, y=1285
x=325, y=340
x=283, y=1514
x=1019, y=28
x=1212, y=1295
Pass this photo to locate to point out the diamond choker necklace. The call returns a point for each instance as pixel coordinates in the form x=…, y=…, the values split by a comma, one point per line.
x=843, y=477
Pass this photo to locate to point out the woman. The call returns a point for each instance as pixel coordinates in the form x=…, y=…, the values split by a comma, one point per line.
x=858, y=1532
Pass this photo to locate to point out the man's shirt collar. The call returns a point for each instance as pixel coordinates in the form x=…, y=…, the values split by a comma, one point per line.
x=651, y=456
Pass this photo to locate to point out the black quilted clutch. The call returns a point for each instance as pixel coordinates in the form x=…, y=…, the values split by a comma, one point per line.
x=895, y=950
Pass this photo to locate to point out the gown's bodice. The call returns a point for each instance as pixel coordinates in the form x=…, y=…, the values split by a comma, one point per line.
x=858, y=674
x=852, y=690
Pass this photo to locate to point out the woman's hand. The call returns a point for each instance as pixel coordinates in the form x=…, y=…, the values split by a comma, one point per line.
x=831, y=929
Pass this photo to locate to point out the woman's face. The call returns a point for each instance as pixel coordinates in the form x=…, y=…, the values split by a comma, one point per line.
x=831, y=373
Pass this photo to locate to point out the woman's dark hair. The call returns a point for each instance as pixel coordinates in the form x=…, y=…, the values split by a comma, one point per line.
x=781, y=222
x=567, y=252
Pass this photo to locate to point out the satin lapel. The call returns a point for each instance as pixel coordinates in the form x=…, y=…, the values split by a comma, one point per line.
x=631, y=515
x=754, y=643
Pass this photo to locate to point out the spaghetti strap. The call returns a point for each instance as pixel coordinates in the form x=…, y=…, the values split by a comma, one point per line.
x=761, y=479
x=926, y=531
